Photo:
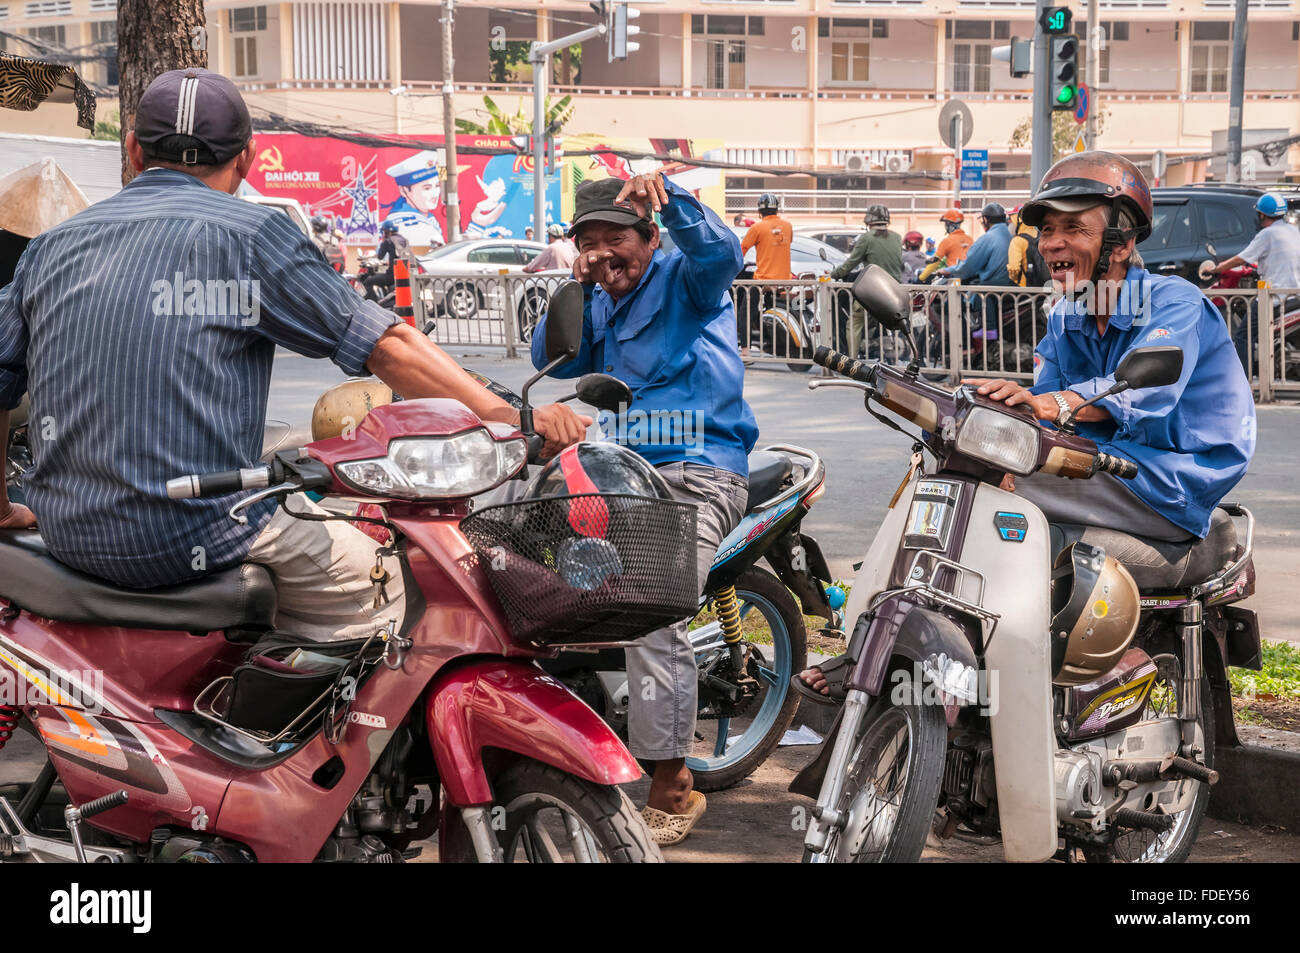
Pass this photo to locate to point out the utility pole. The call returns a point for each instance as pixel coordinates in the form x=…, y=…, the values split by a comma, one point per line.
x=1094, y=73
x=1236, y=92
x=452, y=182
x=614, y=18
x=1041, y=140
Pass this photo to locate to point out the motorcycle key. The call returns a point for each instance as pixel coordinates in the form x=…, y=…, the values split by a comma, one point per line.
x=914, y=467
x=379, y=579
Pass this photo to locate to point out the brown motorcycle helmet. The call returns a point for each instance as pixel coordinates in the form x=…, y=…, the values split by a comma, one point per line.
x=1095, y=607
x=1087, y=179
x=345, y=405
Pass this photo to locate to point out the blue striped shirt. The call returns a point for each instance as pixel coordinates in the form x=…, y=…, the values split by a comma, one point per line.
x=144, y=329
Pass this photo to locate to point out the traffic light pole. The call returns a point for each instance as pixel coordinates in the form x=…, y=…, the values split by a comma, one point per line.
x=539, y=54
x=1236, y=92
x=1041, y=140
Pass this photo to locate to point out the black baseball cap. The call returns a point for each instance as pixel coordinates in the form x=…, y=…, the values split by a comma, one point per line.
x=192, y=116
x=594, y=202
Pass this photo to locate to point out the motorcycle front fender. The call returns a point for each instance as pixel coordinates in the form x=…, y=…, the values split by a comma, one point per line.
x=514, y=706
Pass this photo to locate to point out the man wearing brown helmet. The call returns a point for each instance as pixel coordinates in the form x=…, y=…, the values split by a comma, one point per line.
x=1191, y=440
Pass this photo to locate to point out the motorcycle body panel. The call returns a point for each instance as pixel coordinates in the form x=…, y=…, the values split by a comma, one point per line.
x=1112, y=702
x=516, y=707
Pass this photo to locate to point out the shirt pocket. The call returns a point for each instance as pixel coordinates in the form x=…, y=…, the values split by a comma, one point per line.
x=641, y=342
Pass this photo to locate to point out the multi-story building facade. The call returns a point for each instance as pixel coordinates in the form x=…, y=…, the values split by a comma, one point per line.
x=793, y=83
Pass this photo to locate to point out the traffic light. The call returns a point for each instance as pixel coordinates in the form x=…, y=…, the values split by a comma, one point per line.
x=1055, y=20
x=1063, y=71
x=618, y=30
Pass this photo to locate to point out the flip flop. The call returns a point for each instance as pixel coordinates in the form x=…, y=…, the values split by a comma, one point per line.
x=668, y=829
x=835, y=671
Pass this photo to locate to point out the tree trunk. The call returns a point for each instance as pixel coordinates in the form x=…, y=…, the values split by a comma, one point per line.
x=154, y=36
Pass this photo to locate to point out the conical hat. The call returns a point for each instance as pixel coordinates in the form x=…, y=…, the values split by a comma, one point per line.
x=37, y=197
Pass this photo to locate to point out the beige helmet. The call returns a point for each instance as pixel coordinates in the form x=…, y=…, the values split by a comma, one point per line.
x=1095, y=604
x=345, y=405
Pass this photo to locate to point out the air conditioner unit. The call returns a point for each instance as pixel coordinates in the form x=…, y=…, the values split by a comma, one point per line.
x=857, y=162
x=897, y=164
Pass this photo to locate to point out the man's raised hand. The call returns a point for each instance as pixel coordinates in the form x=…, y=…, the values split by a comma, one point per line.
x=642, y=191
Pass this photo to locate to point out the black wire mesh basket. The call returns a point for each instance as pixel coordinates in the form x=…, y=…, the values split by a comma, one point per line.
x=589, y=567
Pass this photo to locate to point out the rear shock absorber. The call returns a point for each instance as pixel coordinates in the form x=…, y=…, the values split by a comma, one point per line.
x=8, y=722
x=729, y=617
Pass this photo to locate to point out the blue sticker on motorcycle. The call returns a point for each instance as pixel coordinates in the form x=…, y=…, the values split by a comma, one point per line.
x=1012, y=527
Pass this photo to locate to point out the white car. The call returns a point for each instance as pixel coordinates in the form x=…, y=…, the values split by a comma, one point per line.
x=466, y=281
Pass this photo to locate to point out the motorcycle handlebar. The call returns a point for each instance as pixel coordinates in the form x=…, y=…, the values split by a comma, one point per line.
x=218, y=484
x=1116, y=466
x=852, y=368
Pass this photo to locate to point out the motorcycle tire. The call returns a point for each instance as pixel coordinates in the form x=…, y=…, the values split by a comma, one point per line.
x=927, y=740
x=613, y=827
x=755, y=587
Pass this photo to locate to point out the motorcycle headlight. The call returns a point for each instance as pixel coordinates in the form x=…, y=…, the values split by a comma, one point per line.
x=420, y=468
x=1000, y=440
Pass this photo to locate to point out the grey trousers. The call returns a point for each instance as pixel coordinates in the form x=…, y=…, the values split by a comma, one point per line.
x=1101, y=500
x=661, y=675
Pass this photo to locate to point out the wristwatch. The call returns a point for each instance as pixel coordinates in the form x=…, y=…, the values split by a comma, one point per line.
x=1064, y=405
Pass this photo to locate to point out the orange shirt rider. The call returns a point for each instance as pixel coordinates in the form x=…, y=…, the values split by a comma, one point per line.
x=954, y=246
x=771, y=236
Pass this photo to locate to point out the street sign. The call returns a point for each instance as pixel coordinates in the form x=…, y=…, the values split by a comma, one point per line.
x=974, y=163
x=1080, y=143
x=1159, y=164
x=950, y=109
x=1082, y=104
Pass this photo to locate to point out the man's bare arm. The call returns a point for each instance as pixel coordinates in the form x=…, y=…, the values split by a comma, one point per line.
x=12, y=515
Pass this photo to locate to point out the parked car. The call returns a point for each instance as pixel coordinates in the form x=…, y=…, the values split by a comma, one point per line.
x=290, y=207
x=809, y=258
x=481, y=297
x=839, y=237
x=1196, y=222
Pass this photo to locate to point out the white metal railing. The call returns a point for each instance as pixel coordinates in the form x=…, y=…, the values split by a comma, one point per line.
x=850, y=201
x=961, y=330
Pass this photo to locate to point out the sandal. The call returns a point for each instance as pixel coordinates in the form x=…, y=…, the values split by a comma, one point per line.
x=668, y=829
x=835, y=671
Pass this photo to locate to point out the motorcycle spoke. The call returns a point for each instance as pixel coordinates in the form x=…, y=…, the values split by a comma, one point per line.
x=585, y=849
x=537, y=839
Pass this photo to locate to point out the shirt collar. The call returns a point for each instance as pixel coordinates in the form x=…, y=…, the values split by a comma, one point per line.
x=1134, y=298
x=156, y=174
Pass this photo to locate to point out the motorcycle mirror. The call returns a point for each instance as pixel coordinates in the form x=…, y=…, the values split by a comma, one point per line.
x=564, y=321
x=604, y=392
x=1156, y=366
x=883, y=298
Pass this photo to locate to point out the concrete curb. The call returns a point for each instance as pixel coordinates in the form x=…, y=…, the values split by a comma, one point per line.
x=1257, y=785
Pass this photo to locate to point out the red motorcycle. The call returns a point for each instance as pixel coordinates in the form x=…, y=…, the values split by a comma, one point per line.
x=1286, y=314
x=179, y=727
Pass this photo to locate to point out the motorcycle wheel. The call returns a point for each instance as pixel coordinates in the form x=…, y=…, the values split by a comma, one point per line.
x=531, y=309
x=893, y=784
x=757, y=590
x=545, y=814
x=1171, y=846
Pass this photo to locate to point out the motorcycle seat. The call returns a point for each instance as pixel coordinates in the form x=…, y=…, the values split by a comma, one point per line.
x=30, y=578
x=1157, y=565
x=768, y=470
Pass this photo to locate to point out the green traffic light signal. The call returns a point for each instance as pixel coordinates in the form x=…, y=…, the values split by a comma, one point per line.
x=1065, y=96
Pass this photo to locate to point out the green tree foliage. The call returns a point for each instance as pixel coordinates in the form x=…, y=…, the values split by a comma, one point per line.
x=108, y=128
x=1064, y=131
x=500, y=123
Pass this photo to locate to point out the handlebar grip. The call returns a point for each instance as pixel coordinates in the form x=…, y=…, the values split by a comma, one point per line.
x=535, y=444
x=218, y=484
x=1116, y=466
x=843, y=364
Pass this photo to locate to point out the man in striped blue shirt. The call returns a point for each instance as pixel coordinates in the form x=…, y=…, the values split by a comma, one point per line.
x=144, y=330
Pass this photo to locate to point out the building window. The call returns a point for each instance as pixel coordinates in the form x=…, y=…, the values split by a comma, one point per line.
x=726, y=64
x=55, y=36
x=978, y=29
x=346, y=42
x=846, y=26
x=245, y=56
x=48, y=8
x=850, y=62
x=710, y=25
x=1211, y=53
x=970, y=67
x=247, y=19
x=103, y=35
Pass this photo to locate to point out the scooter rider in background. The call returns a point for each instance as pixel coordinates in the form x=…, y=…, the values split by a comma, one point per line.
x=171, y=383
x=913, y=258
x=1191, y=440
x=986, y=261
x=954, y=246
x=390, y=249
x=1276, y=252
x=770, y=236
x=876, y=246
x=666, y=326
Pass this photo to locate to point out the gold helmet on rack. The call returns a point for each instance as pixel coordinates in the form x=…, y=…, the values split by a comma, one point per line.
x=1095, y=607
x=345, y=405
